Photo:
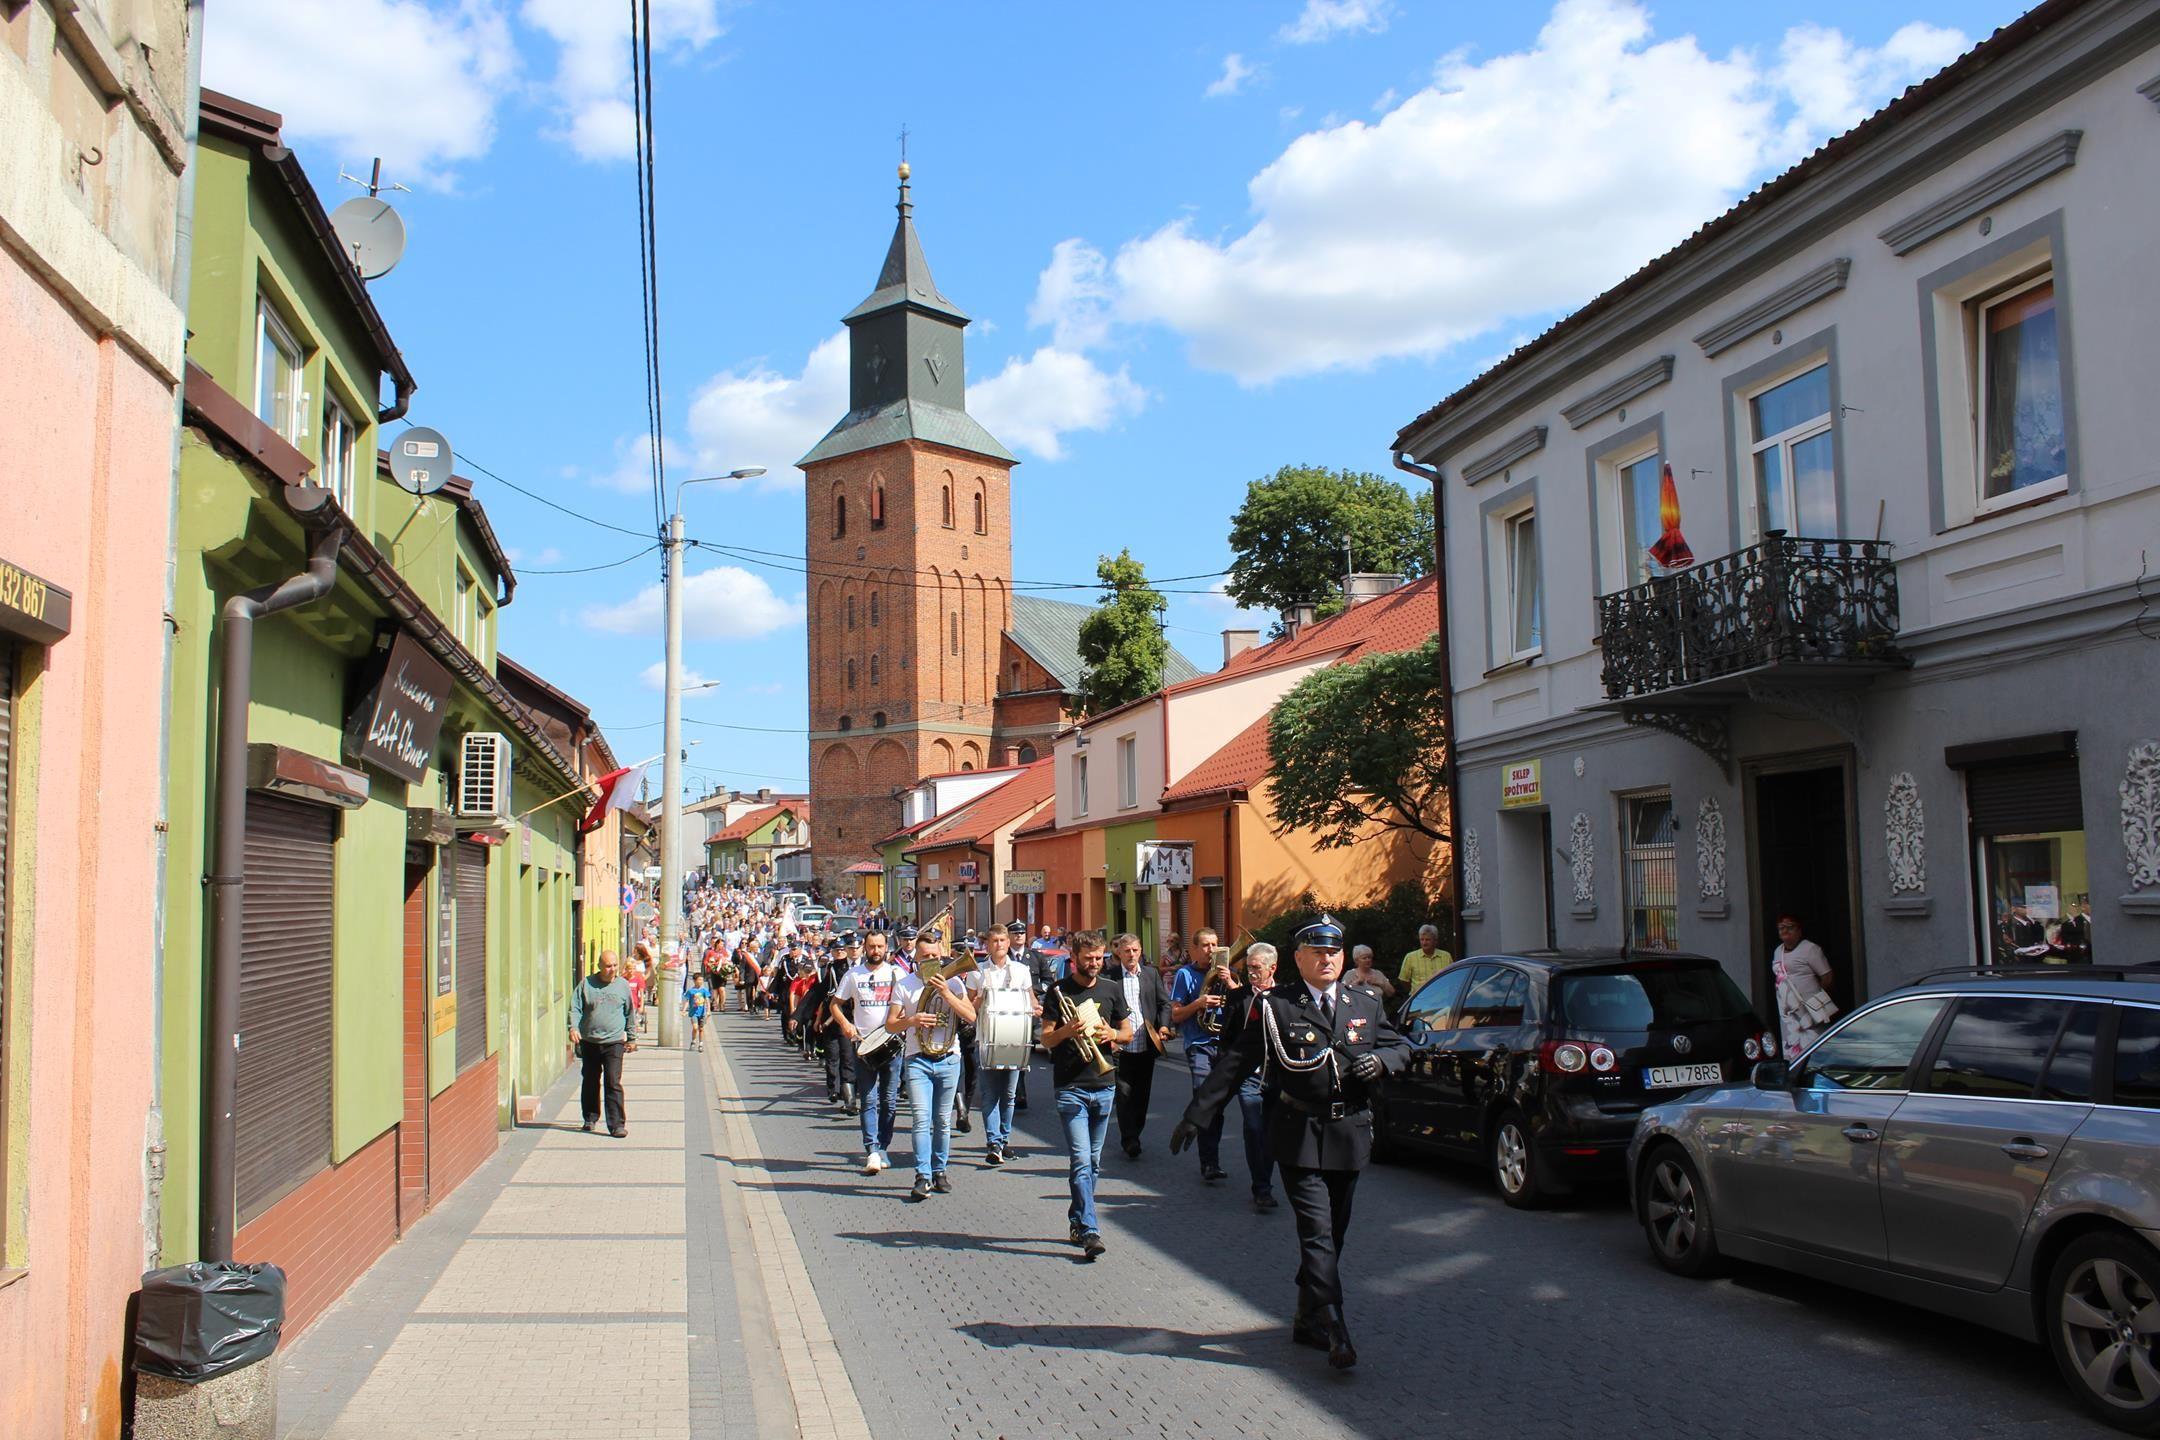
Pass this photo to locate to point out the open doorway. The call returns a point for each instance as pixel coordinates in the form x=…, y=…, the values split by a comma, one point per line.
x=1803, y=866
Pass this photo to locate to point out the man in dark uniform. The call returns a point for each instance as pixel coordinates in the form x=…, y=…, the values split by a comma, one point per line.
x=1324, y=1044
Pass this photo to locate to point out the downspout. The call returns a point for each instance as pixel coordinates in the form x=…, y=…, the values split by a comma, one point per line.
x=161, y=827
x=1453, y=777
x=228, y=875
x=405, y=387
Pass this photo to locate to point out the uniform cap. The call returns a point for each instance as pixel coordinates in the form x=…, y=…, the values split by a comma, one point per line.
x=1324, y=932
x=1017, y=929
x=905, y=932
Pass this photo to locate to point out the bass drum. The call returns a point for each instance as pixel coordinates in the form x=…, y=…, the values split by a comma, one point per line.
x=1004, y=1030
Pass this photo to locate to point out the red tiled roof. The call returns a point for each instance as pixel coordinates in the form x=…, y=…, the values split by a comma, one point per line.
x=1402, y=619
x=906, y=830
x=864, y=867
x=1001, y=806
x=747, y=825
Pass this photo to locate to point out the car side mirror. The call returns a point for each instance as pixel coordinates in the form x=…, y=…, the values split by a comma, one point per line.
x=1772, y=1075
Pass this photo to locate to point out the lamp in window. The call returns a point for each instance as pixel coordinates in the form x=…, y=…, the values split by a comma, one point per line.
x=1671, y=550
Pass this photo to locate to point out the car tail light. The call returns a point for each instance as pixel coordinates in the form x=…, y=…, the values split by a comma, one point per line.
x=1563, y=1057
x=1603, y=1060
x=1751, y=1047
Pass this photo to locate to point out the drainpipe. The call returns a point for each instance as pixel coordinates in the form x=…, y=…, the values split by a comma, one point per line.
x=1453, y=781
x=161, y=827
x=228, y=875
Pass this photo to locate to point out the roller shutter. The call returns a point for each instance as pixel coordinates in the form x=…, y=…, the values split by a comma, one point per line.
x=472, y=991
x=2026, y=797
x=282, y=1100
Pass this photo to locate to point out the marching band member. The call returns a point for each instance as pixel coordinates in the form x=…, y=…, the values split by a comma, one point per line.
x=839, y=1050
x=1004, y=971
x=1323, y=1044
x=1200, y=996
x=929, y=1013
x=1085, y=1022
x=867, y=991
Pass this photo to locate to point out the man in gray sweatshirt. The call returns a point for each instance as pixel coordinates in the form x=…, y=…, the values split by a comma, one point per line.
x=600, y=1020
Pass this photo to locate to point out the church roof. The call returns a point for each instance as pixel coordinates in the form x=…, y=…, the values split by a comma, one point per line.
x=907, y=420
x=906, y=280
x=1049, y=632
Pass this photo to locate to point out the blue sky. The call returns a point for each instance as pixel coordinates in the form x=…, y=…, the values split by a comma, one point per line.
x=1200, y=241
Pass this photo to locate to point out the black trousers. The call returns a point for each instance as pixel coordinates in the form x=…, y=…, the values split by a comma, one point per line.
x=1320, y=1199
x=839, y=1064
x=1135, y=1087
x=964, y=1097
x=603, y=1063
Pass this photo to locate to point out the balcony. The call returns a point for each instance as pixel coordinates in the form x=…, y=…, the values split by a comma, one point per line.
x=1795, y=623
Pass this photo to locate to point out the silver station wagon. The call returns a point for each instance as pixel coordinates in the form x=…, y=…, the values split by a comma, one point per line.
x=1986, y=1146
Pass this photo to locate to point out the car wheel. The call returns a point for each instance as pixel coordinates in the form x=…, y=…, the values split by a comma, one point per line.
x=1514, y=1161
x=2103, y=1309
x=1675, y=1212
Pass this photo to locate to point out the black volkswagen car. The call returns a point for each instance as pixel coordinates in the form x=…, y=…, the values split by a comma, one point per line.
x=1536, y=1065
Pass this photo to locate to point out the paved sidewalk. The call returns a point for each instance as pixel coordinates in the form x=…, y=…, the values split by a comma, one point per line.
x=578, y=1285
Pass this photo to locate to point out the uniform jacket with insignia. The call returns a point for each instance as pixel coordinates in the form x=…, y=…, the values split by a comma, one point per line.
x=1305, y=1129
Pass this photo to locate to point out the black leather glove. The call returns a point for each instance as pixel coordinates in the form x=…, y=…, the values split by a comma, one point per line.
x=1184, y=1135
x=1367, y=1067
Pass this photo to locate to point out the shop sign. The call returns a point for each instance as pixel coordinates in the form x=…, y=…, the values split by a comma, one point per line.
x=35, y=609
x=904, y=871
x=444, y=1011
x=1522, y=785
x=969, y=870
x=1026, y=882
x=395, y=725
x=1164, y=863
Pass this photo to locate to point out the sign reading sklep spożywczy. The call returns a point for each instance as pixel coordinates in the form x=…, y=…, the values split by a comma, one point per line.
x=1522, y=784
x=1161, y=863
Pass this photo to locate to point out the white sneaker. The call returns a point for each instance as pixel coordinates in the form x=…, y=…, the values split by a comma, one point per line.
x=873, y=1164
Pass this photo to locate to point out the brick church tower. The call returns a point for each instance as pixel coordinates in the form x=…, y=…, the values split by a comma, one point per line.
x=909, y=515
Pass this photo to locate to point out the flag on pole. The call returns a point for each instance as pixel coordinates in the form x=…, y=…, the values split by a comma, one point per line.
x=618, y=788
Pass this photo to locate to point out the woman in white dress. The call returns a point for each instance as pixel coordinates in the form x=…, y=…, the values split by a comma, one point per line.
x=1802, y=971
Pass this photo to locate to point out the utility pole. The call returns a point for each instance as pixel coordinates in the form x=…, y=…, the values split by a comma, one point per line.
x=672, y=958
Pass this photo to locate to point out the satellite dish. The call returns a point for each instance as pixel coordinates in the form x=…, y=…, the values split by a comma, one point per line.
x=420, y=460
x=372, y=233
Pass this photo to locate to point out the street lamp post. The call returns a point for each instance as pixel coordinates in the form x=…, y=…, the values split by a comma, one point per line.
x=672, y=959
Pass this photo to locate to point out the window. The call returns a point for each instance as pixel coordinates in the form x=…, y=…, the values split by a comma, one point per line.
x=1128, y=772
x=2022, y=437
x=2070, y=1069
x=877, y=719
x=1495, y=998
x=877, y=505
x=2137, y=1057
x=850, y=674
x=1027, y=754
x=982, y=519
x=847, y=722
x=873, y=610
x=1793, y=457
x=482, y=614
x=277, y=374
x=1525, y=603
x=1996, y=1046
x=2028, y=823
x=1649, y=873
x=340, y=444
x=461, y=608
x=956, y=632
x=1874, y=1050
x=1659, y=995
x=1433, y=1007
x=1015, y=676
x=948, y=505
x=1080, y=795
x=873, y=671
x=850, y=607
x=839, y=515
x=1639, y=524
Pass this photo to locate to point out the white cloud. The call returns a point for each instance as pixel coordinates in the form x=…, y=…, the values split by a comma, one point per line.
x=755, y=415
x=723, y=603
x=414, y=83
x=1032, y=403
x=1073, y=295
x=631, y=472
x=1507, y=189
x=654, y=677
x=1385, y=101
x=590, y=91
x=1325, y=19
x=1235, y=72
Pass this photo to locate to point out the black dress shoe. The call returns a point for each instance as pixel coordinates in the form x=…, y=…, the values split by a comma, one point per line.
x=1263, y=1200
x=1341, y=1353
x=1132, y=1149
x=961, y=1122
x=1212, y=1173
x=1307, y=1330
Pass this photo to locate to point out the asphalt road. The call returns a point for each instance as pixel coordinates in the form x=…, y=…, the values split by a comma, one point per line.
x=968, y=1314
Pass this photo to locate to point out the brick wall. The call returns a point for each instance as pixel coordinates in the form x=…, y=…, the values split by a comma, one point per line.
x=462, y=1132
x=326, y=1233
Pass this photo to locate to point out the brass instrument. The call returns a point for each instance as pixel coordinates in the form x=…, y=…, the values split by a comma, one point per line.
x=931, y=973
x=1090, y=1050
x=1218, y=983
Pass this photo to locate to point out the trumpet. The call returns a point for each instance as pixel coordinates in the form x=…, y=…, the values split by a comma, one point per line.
x=1089, y=1048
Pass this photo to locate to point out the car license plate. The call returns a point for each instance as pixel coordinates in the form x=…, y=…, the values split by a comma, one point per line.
x=1668, y=1077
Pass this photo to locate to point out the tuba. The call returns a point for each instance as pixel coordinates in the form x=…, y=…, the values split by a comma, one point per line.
x=1218, y=983
x=937, y=1042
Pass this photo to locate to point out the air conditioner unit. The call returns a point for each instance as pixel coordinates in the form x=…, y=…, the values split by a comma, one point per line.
x=483, y=791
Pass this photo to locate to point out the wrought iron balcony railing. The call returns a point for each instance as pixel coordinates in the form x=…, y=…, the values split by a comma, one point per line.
x=1787, y=602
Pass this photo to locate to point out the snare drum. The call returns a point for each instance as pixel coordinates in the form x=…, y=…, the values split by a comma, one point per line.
x=1004, y=1030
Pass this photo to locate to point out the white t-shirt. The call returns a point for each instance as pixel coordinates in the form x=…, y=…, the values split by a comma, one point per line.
x=871, y=990
x=1014, y=974
x=908, y=1001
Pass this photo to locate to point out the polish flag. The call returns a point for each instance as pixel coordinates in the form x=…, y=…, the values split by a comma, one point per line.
x=618, y=789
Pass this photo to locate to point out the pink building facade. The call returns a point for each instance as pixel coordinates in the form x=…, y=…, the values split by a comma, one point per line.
x=93, y=100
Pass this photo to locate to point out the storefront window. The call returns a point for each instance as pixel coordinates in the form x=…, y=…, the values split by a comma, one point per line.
x=1653, y=887
x=2039, y=897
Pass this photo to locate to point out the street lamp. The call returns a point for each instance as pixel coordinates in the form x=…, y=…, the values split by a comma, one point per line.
x=671, y=876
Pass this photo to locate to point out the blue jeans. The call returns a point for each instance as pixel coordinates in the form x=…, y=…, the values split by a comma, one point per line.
x=1085, y=1114
x=1202, y=1059
x=877, y=1086
x=930, y=1087
x=1000, y=1089
x=1255, y=1108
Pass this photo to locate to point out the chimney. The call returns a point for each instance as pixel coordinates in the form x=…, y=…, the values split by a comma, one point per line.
x=1012, y=754
x=1296, y=618
x=1368, y=585
x=1237, y=642
x=764, y=795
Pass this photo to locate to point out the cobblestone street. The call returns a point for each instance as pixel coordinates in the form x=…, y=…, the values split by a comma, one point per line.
x=728, y=1271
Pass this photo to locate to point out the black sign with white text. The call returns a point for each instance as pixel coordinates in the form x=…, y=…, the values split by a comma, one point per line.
x=395, y=725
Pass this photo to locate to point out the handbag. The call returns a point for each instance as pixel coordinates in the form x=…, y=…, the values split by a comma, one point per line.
x=1819, y=1008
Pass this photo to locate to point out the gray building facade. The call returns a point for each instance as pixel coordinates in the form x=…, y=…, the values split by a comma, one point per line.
x=1815, y=568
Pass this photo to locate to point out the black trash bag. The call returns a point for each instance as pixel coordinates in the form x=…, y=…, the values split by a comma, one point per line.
x=194, y=1322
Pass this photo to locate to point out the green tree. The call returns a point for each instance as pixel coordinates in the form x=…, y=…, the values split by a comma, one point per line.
x=1363, y=744
x=1122, y=648
x=1290, y=533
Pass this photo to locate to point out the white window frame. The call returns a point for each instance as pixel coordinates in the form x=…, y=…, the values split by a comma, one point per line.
x=1080, y=785
x=463, y=588
x=269, y=327
x=340, y=453
x=1977, y=310
x=1128, y=756
x=1783, y=442
x=1619, y=571
x=1511, y=526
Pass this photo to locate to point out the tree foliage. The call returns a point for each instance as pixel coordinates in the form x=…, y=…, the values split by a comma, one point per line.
x=1390, y=926
x=1289, y=535
x=1122, y=647
x=1363, y=744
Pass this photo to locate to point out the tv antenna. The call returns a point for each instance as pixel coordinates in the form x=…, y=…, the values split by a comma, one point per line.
x=372, y=233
